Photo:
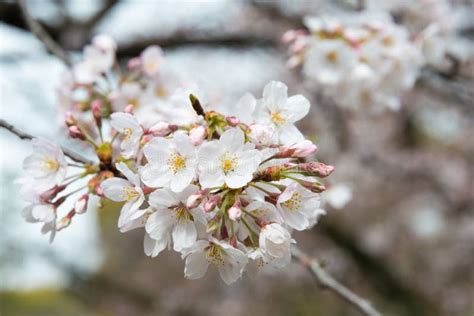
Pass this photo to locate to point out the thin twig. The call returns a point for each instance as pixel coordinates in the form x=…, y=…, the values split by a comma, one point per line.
x=325, y=280
x=42, y=35
x=22, y=135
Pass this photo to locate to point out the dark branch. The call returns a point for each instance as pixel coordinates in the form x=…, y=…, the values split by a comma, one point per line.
x=22, y=135
x=325, y=280
x=42, y=35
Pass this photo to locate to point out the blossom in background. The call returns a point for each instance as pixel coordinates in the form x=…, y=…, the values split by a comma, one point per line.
x=366, y=55
x=98, y=58
x=151, y=59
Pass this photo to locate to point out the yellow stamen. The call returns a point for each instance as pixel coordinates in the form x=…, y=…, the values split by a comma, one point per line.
x=130, y=194
x=332, y=57
x=128, y=133
x=388, y=41
x=277, y=118
x=176, y=162
x=294, y=203
x=228, y=162
x=215, y=255
x=51, y=164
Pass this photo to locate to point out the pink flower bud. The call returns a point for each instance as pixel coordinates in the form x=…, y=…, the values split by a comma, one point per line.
x=161, y=129
x=301, y=149
x=299, y=45
x=97, y=108
x=317, y=169
x=197, y=135
x=195, y=199
x=232, y=120
x=211, y=203
x=293, y=62
x=129, y=109
x=80, y=206
x=235, y=212
x=75, y=132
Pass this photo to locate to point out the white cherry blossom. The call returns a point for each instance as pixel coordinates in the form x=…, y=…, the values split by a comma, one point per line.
x=297, y=206
x=127, y=125
x=279, y=111
x=171, y=162
x=229, y=261
x=124, y=190
x=151, y=59
x=47, y=165
x=172, y=219
x=228, y=160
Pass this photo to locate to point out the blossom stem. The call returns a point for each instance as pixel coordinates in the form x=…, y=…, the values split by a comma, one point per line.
x=325, y=280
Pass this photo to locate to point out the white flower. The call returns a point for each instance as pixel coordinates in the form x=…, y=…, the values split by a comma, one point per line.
x=127, y=125
x=274, y=241
x=98, y=58
x=173, y=219
x=281, y=112
x=228, y=161
x=229, y=261
x=329, y=61
x=171, y=162
x=47, y=165
x=274, y=248
x=244, y=108
x=151, y=59
x=124, y=190
x=297, y=206
x=268, y=263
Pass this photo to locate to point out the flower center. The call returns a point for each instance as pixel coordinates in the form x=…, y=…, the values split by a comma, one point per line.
x=215, y=255
x=294, y=203
x=228, y=162
x=277, y=118
x=181, y=213
x=388, y=41
x=128, y=133
x=332, y=57
x=51, y=164
x=176, y=162
x=130, y=194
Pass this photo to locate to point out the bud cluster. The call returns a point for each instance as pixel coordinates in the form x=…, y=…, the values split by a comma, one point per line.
x=362, y=61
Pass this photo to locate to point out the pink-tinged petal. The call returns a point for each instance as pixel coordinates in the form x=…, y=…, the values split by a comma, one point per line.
x=113, y=188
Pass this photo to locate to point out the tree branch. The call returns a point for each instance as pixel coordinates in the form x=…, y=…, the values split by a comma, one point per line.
x=326, y=281
x=22, y=135
x=42, y=35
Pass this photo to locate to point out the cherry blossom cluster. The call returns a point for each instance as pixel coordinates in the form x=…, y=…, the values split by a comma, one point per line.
x=221, y=190
x=362, y=61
